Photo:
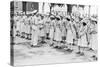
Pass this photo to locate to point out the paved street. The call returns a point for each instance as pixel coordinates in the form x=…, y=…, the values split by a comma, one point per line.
x=26, y=55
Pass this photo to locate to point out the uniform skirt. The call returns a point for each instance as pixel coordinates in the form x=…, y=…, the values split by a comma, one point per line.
x=82, y=41
x=51, y=35
x=57, y=36
x=69, y=38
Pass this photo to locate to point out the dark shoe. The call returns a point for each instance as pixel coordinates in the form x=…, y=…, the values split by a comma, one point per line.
x=55, y=46
x=32, y=46
x=80, y=53
x=69, y=50
x=22, y=36
x=52, y=44
x=90, y=49
x=94, y=57
x=73, y=44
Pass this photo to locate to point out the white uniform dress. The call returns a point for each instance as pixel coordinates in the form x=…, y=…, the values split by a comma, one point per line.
x=17, y=22
x=42, y=32
x=28, y=21
x=35, y=34
x=82, y=32
x=22, y=29
x=15, y=25
x=63, y=34
x=47, y=27
x=51, y=35
x=20, y=25
x=94, y=42
x=94, y=38
x=70, y=35
x=57, y=36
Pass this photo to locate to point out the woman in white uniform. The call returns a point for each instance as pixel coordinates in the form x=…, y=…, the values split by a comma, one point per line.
x=82, y=33
x=64, y=31
x=47, y=27
x=17, y=25
x=23, y=27
x=42, y=33
x=57, y=36
x=82, y=40
x=92, y=35
x=35, y=33
x=69, y=34
x=27, y=24
x=51, y=34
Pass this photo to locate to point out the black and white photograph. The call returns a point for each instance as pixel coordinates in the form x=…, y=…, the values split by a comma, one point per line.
x=52, y=33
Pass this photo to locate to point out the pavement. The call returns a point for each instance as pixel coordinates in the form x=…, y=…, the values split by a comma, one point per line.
x=26, y=55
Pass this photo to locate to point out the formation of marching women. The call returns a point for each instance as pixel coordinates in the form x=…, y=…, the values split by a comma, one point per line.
x=61, y=30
